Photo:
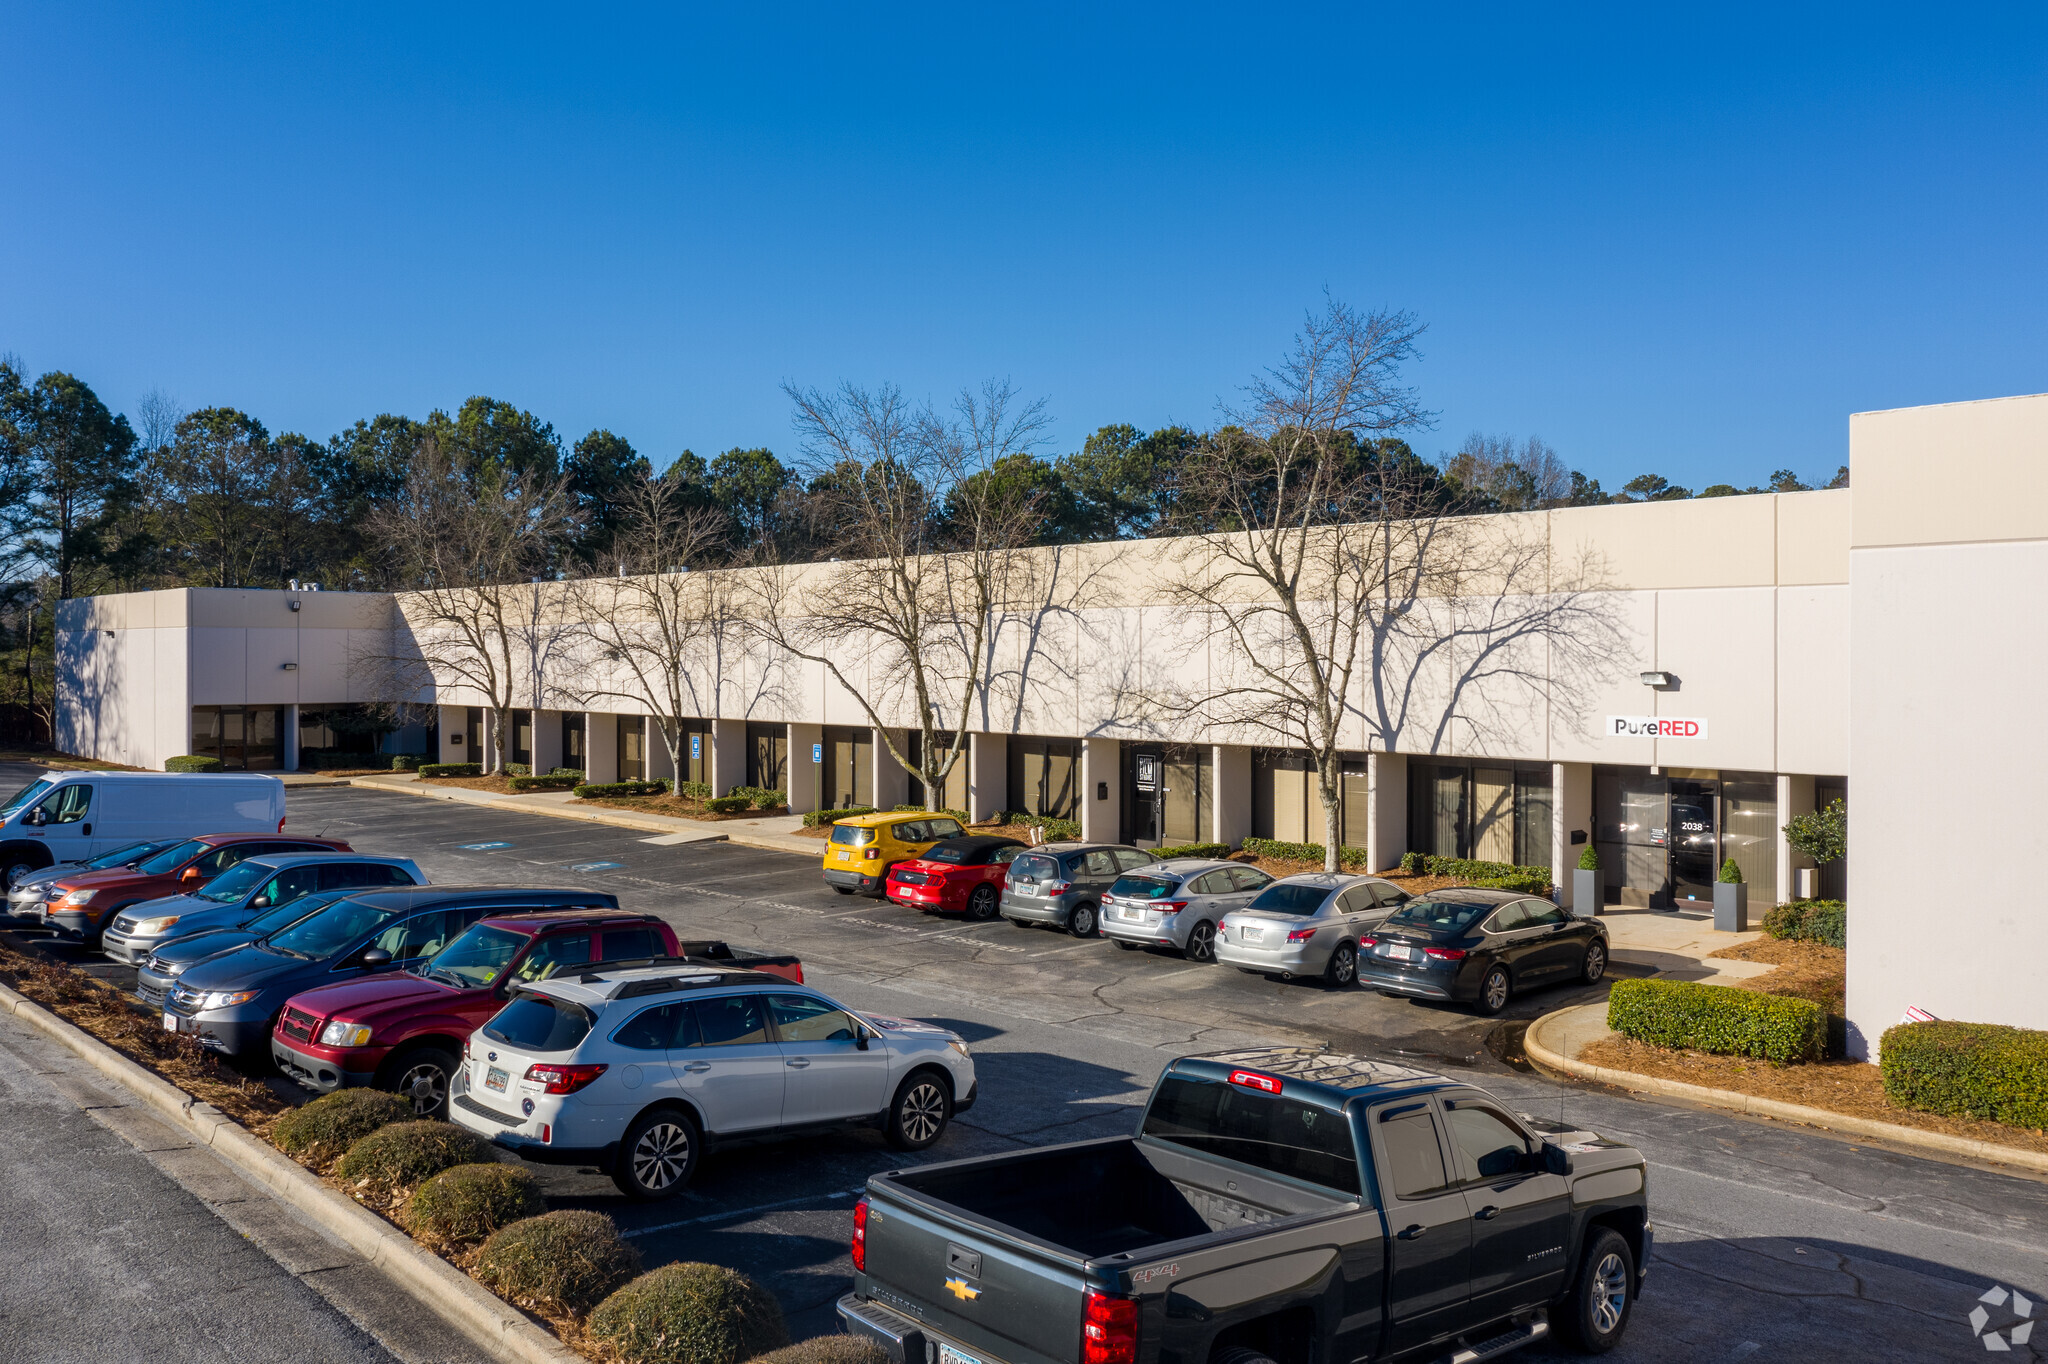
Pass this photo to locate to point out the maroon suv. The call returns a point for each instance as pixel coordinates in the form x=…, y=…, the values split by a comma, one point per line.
x=404, y=1031
x=83, y=903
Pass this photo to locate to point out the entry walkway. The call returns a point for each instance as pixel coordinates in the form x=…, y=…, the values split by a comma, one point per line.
x=1675, y=944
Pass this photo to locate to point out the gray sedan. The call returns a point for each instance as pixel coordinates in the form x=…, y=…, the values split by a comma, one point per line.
x=1177, y=904
x=1307, y=926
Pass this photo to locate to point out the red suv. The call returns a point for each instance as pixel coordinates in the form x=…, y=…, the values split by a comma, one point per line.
x=404, y=1031
x=82, y=904
x=959, y=873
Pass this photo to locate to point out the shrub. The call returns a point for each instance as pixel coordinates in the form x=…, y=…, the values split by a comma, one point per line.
x=407, y=762
x=1060, y=830
x=727, y=805
x=1822, y=835
x=575, y=772
x=604, y=789
x=1822, y=921
x=1968, y=1070
x=562, y=1263
x=464, y=1204
x=1192, y=850
x=1731, y=875
x=1352, y=859
x=518, y=784
x=518, y=769
x=192, y=762
x=827, y=1350
x=1411, y=864
x=402, y=1155
x=690, y=1314
x=695, y=790
x=1718, y=1018
x=761, y=797
x=814, y=819
x=961, y=816
x=323, y=1129
x=1589, y=860
x=451, y=770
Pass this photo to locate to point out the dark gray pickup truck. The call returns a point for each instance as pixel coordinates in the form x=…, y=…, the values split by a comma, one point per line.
x=1288, y=1205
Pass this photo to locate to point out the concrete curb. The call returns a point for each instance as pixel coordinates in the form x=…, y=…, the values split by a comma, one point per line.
x=1552, y=1062
x=446, y=1291
x=616, y=818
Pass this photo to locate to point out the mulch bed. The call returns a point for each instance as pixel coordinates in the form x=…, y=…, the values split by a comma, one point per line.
x=677, y=807
x=1806, y=970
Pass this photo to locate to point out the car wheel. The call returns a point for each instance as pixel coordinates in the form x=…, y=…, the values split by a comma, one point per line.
x=1603, y=1295
x=16, y=869
x=1201, y=943
x=920, y=1111
x=981, y=906
x=1494, y=991
x=842, y=890
x=1596, y=964
x=1081, y=921
x=1127, y=946
x=1343, y=967
x=421, y=1077
x=657, y=1155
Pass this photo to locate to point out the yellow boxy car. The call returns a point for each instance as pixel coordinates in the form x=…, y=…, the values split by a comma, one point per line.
x=863, y=848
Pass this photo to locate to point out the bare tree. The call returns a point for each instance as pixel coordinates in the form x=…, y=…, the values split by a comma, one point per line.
x=661, y=623
x=472, y=541
x=1326, y=551
x=1505, y=476
x=930, y=517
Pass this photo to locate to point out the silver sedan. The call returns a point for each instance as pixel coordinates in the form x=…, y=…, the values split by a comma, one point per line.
x=1178, y=904
x=1307, y=926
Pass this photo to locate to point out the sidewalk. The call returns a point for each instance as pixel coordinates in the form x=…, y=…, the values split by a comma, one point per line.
x=775, y=832
x=1675, y=943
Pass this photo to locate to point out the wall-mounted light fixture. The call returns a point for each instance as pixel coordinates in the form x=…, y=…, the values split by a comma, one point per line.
x=1657, y=680
x=294, y=605
x=291, y=667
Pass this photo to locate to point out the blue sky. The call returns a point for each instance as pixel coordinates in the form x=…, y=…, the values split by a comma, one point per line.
x=1682, y=242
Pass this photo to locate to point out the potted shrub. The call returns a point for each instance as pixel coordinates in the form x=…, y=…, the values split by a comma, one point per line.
x=1731, y=900
x=1586, y=888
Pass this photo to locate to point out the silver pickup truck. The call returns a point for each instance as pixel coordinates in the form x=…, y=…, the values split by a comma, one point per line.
x=1275, y=1207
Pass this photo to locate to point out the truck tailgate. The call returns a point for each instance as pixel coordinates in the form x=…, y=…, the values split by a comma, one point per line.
x=1002, y=1297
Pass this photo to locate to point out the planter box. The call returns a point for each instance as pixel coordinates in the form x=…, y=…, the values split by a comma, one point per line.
x=1731, y=907
x=1586, y=893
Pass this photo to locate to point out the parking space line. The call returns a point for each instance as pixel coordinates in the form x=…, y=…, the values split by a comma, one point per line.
x=737, y=1214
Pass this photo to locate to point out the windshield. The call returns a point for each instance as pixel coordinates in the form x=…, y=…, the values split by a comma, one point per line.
x=475, y=959
x=289, y=913
x=332, y=929
x=231, y=885
x=25, y=795
x=121, y=857
x=1438, y=916
x=1142, y=888
x=852, y=835
x=1282, y=898
x=171, y=858
x=1266, y=1131
x=538, y=1023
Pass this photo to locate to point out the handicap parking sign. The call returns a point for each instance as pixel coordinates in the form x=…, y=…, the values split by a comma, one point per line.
x=817, y=753
x=696, y=745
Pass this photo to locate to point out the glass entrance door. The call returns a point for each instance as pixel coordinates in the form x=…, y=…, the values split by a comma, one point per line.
x=1695, y=837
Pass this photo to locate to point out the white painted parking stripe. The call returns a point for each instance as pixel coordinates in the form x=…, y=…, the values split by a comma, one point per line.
x=670, y=840
x=738, y=1213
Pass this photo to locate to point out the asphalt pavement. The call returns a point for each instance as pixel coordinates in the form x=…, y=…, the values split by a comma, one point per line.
x=1773, y=1242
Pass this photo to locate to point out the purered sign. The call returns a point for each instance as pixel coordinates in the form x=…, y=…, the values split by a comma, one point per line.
x=1655, y=727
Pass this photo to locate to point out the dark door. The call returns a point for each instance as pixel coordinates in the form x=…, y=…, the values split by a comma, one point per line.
x=1695, y=837
x=1557, y=941
x=1431, y=1250
x=572, y=742
x=1519, y=1215
x=1144, y=796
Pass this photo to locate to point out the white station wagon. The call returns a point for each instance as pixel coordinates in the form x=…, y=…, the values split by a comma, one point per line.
x=636, y=1070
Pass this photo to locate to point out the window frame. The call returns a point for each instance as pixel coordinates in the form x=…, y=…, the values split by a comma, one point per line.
x=1451, y=1103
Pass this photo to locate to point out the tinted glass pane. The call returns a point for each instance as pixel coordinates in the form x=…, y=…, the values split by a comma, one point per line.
x=628, y=944
x=1540, y=915
x=550, y=955
x=1487, y=1146
x=333, y=928
x=846, y=835
x=652, y=1029
x=1262, y=1130
x=1142, y=888
x=1249, y=878
x=478, y=955
x=420, y=936
x=1415, y=1165
x=1287, y=899
x=1438, y=916
x=1508, y=920
x=1036, y=867
x=800, y=1018
x=731, y=1022
x=25, y=795
x=231, y=887
x=537, y=1023
x=171, y=858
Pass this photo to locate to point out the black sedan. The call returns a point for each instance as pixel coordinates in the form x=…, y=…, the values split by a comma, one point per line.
x=1480, y=947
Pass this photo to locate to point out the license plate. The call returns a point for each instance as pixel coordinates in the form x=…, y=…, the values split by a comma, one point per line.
x=845, y=856
x=1399, y=952
x=1251, y=935
x=496, y=1079
x=949, y=1355
x=170, y=1022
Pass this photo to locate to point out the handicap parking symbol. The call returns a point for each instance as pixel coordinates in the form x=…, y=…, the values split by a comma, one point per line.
x=594, y=866
x=484, y=847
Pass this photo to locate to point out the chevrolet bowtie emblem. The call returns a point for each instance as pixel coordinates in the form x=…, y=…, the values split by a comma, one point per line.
x=962, y=1290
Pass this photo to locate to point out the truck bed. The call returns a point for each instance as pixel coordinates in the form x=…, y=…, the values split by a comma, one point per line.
x=1111, y=1198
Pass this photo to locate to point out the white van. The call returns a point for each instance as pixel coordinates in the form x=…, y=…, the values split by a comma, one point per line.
x=70, y=816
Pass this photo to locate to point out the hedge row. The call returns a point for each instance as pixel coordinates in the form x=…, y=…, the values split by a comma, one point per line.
x=727, y=805
x=1350, y=858
x=192, y=762
x=1822, y=921
x=603, y=789
x=695, y=790
x=1192, y=850
x=1718, y=1018
x=1055, y=830
x=960, y=815
x=1968, y=1070
x=451, y=769
x=761, y=797
x=818, y=818
x=548, y=783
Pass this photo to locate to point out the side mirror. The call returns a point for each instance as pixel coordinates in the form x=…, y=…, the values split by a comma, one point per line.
x=36, y=818
x=191, y=877
x=375, y=958
x=260, y=902
x=1554, y=1159
x=860, y=1039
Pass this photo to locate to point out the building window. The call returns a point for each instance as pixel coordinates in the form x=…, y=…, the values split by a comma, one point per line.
x=632, y=747
x=573, y=751
x=849, y=774
x=522, y=737
x=768, y=757
x=1834, y=877
x=1495, y=812
x=244, y=738
x=1045, y=777
x=954, y=797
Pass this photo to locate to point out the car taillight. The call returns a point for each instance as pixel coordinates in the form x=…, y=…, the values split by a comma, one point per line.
x=1058, y=887
x=562, y=1079
x=1109, y=1330
x=1445, y=953
x=860, y=1237
x=1367, y=940
x=1171, y=906
x=1300, y=934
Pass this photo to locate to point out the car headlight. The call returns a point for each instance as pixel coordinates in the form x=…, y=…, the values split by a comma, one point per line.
x=225, y=999
x=79, y=897
x=958, y=1045
x=339, y=1034
x=156, y=925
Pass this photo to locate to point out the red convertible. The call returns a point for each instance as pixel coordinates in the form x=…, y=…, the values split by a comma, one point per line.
x=958, y=874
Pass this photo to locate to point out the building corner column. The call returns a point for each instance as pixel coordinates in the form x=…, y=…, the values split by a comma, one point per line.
x=1571, y=812
x=1386, y=809
x=1102, y=790
x=1232, y=808
x=728, y=755
x=988, y=775
x=806, y=768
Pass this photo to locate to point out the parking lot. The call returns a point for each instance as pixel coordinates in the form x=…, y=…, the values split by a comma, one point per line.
x=1769, y=1239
